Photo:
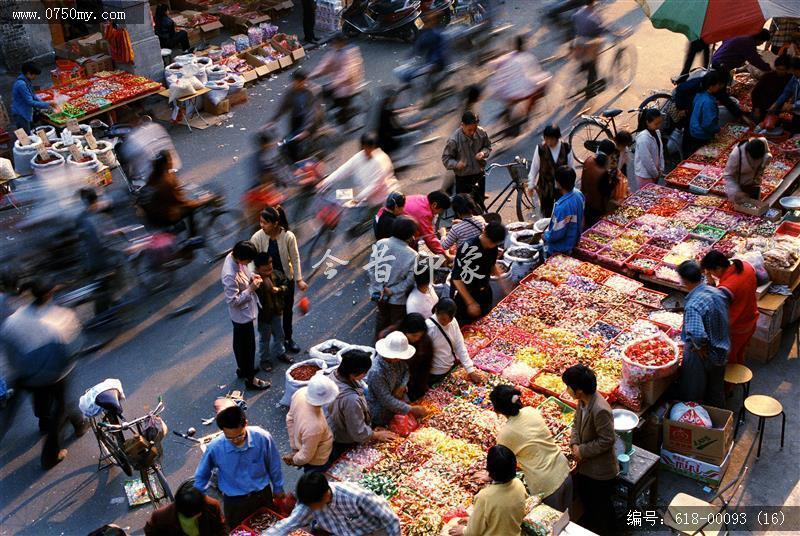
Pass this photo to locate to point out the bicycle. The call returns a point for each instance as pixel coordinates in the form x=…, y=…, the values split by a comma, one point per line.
x=140, y=452
x=518, y=173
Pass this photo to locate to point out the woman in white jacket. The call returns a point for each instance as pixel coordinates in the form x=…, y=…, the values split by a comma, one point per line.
x=649, y=159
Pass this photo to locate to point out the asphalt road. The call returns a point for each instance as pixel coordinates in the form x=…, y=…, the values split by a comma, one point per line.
x=187, y=359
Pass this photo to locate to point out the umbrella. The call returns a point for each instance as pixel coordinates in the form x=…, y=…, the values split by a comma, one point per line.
x=715, y=20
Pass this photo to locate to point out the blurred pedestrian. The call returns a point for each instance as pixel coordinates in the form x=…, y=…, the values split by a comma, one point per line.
x=310, y=437
x=309, y=21
x=344, y=66
x=192, y=514
x=465, y=154
x=41, y=341
x=280, y=243
x=248, y=466
x=548, y=156
x=239, y=286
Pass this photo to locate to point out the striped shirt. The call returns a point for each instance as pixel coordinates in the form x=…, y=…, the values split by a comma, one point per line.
x=463, y=231
x=705, y=323
x=353, y=511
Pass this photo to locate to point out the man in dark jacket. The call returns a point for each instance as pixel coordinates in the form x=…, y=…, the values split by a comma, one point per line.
x=192, y=513
x=304, y=107
x=465, y=155
x=41, y=340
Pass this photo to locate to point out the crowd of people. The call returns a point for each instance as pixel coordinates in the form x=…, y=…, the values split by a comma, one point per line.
x=418, y=336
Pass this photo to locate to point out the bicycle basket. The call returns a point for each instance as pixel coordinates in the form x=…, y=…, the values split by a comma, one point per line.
x=139, y=451
x=519, y=173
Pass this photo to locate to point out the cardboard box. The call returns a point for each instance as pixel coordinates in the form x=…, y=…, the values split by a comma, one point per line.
x=298, y=53
x=710, y=445
x=267, y=67
x=195, y=36
x=285, y=61
x=237, y=97
x=654, y=389
x=260, y=67
x=223, y=107
x=90, y=44
x=781, y=276
x=96, y=64
x=769, y=323
x=687, y=466
x=763, y=350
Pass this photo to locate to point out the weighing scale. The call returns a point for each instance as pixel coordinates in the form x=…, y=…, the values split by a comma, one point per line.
x=792, y=207
x=625, y=422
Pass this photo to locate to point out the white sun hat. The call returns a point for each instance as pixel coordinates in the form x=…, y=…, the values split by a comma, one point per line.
x=395, y=346
x=321, y=390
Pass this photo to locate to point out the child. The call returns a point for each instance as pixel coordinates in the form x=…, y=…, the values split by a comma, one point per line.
x=704, y=122
x=271, y=295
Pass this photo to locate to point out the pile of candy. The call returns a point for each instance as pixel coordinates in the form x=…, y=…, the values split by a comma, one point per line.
x=652, y=352
x=673, y=226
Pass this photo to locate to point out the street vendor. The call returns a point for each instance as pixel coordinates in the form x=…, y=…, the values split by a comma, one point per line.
x=348, y=415
x=448, y=343
x=743, y=171
x=789, y=100
x=706, y=340
x=387, y=379
x=769, y=87
x=23, y=98
x=592, y=445
x=526, y=434
x=549, y=155
x=168, y=37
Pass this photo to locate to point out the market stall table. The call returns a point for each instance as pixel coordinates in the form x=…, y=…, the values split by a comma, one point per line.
x=642, y=476
x=189, y=106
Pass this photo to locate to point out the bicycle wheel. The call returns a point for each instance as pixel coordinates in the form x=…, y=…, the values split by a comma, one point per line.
x=109, y=446
x=151, y=276
x=623, y=67
x=658, y=101
x=585, y=137
x=224, y=228
x=524, y=203
x=156, y=485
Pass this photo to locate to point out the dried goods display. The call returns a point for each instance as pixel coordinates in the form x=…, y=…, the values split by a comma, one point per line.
x=95, y=93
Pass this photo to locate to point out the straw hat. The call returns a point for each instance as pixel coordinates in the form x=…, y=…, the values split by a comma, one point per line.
x=395, y=346
x=7, y=170
x=321, y=390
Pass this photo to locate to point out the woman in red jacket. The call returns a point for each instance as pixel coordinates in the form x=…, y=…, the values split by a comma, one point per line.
x=738, y=280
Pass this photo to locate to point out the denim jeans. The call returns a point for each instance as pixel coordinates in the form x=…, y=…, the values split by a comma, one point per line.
x=269, y=350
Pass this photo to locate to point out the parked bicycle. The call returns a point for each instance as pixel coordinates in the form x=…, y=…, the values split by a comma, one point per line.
x=590, y=130
x=518, y=178
x=140, y=451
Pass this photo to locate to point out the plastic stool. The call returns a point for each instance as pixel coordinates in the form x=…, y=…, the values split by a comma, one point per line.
x=765, y=407
x=739, y=375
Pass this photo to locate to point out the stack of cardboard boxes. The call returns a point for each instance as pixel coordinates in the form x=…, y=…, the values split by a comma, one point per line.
x=696, y=451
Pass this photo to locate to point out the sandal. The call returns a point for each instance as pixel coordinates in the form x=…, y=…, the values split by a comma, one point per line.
x=266, y=366
x=257, y=384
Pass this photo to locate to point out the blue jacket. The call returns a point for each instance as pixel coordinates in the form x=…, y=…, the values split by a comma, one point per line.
x=705, y=117
x=23, y=99
x=566, y=224
x=791, y=91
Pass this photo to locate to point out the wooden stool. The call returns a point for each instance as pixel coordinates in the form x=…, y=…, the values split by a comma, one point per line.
x=765, y=407
x=682, y=503
x=739, y=375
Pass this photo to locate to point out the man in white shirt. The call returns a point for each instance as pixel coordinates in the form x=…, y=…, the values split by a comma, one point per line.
x=423, y=297
x=372, y=172
x=548, y=156
x=448, y=343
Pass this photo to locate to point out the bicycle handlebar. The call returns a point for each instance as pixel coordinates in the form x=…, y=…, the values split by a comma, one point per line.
x=128, y=425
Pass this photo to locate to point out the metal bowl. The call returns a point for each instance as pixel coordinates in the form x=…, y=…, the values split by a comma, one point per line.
x=624, y=420
x=791, y=203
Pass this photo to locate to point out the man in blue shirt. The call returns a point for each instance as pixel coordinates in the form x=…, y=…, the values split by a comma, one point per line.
x=23, y=98
x=705, y=338
x=248, y=465
x=704, y=121
x=565, y=226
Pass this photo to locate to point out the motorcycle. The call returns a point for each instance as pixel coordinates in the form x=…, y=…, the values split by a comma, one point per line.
x=441, y=9
x=383, y=18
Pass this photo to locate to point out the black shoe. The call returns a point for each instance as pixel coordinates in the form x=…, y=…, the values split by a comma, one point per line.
x=286, y=359
x=266, y=366
x=240, y=374
x=291, y=346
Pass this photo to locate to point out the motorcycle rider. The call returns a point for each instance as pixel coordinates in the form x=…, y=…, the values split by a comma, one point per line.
x=306, y=116
x=344, y=66
x=373, y=173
